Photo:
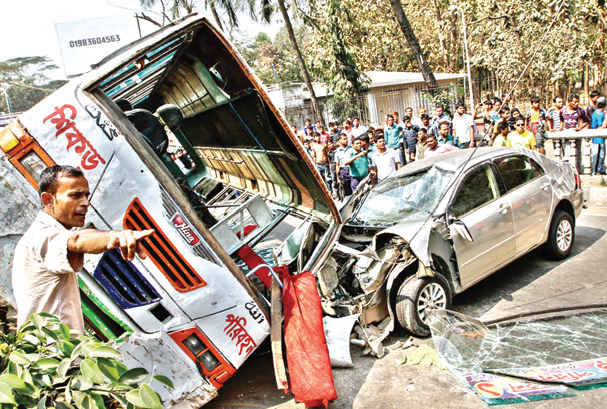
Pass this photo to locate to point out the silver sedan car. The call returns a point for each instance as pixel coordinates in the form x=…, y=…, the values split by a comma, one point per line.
x=440, y=225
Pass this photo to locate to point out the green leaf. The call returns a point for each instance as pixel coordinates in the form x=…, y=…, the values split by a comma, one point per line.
x=78, y=398
x=76, y=352
x=134, y=375
x=47, y=380
x=51, y=318
x=63, y=367
x=104, y=352
x=109, y=368
x=42, y=403
x=81, y=383
x=13, y=381
x=6, y=394
x=98, y=400
x=150, y=397
x=88, y=403
x=37, y=320
x=19, y=358
x=119, y=398
x=51, y=333
x=64, y=405
x=46, y=363
x=13, y=368
x=90, y=370
x=87, y=348
x=27, y=377
x=65, y=332
x=68, y=394
x=136, y=400
x=67, y=348
x=164, y=380
x=33, y=357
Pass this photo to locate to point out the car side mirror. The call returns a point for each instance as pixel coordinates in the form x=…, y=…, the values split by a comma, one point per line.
x=461, y=229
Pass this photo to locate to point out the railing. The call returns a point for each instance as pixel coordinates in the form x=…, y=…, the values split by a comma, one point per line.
x=574, y=147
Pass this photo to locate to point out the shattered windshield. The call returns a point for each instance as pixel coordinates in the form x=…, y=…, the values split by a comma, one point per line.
x=403, y=197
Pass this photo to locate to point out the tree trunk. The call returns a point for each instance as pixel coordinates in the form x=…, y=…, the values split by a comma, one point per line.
x=441, y=37
x=300, y=60
x=215, y=14
x=407, y=30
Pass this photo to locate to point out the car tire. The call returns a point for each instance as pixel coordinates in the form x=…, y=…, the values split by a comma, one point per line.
x=415, y=296
x=560, y=236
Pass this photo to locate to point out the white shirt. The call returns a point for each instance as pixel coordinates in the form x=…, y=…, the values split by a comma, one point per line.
x=360, y=131
x=385, y=163
x=461, y=127
x=43, y=279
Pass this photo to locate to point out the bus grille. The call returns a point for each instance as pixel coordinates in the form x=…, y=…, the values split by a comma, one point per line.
x=123, y=282
x=161, y=251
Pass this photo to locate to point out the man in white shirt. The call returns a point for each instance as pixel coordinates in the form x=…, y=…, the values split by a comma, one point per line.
x=50, y=254
x=385, y=161
x=357, y=128
x=463, y=127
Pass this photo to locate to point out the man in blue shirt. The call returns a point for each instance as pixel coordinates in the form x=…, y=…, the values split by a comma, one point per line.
x=598, y=144
x=440, y=116
x=357, y=162
x=342, y=154
x=393, y=134
x=444, y=137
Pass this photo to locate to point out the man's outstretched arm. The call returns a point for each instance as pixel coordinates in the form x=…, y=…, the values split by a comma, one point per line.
x=96, y=242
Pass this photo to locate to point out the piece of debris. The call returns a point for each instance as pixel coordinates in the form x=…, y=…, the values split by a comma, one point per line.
x=423, y=355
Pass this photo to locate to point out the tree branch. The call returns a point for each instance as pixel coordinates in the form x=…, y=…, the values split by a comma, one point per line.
x=505, y=17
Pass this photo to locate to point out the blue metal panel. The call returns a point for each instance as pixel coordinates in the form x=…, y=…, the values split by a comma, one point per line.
x=123, y=282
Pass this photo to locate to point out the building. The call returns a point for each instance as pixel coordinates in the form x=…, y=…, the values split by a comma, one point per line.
x=388, y=92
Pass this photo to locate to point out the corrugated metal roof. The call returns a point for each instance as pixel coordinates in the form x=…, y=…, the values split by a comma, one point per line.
x=388, y=78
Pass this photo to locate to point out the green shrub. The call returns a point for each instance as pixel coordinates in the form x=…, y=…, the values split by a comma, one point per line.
x=43, y=366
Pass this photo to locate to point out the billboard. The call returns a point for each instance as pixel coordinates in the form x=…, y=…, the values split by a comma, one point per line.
x=86, y=42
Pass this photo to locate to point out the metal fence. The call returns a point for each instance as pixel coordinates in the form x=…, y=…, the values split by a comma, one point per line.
x=372, y=107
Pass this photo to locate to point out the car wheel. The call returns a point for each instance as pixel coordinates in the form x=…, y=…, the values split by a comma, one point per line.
x=416, y=296
x=560, y=237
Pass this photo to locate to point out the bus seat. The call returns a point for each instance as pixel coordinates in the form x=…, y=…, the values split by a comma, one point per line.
x=151, y=129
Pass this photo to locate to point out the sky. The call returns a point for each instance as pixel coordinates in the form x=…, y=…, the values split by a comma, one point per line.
x=28, y=26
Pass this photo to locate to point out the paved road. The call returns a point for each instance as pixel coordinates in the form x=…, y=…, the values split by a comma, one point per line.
x=530, y=283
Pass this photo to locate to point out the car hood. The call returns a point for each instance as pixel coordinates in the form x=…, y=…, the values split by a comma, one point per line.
x=416, y=232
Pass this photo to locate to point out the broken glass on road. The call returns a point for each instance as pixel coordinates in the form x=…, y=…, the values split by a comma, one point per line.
x=520, y=360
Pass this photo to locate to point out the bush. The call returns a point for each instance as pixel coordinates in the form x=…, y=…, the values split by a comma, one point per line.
x=42, y=366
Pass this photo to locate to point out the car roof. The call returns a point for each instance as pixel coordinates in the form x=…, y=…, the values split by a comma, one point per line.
x=452, y=161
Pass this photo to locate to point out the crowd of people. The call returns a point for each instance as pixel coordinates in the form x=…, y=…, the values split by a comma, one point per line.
x=345, y=155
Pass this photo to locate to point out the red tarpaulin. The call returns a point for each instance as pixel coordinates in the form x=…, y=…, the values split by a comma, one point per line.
x=310, y=372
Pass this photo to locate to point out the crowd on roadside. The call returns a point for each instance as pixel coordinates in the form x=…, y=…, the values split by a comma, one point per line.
x=347, y=153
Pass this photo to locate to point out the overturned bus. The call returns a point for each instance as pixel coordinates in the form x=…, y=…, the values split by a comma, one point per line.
x=190, y=310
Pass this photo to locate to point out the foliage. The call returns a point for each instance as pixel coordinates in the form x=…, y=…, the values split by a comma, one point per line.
x=502, y=36
x=42, y=366
x=339, y=68
x=26, y=81
x=443, y=97
x=273, y=61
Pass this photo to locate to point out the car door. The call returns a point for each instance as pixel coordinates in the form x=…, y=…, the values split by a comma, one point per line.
x=487, y=216
x=530, y=194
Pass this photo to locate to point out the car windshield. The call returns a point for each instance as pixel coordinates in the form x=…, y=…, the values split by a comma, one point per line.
x=403, y=197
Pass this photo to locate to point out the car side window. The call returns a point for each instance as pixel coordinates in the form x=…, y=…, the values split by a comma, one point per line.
x=518, y=170
x=478, y=188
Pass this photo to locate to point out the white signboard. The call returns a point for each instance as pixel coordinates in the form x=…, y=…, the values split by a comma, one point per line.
x=86, y=42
